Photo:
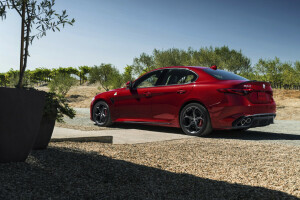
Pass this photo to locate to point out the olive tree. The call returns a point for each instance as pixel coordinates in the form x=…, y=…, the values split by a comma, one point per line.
x=37, y=17
x=107, y=75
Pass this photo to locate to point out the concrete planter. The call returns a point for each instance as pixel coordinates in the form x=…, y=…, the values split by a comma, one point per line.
x=45, y=133
x=20, y=117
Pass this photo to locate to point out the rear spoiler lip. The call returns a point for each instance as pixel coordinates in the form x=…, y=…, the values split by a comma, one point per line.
x=255, y=83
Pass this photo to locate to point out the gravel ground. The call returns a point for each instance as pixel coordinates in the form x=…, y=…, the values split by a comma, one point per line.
x=201, y=168
x=221, y=166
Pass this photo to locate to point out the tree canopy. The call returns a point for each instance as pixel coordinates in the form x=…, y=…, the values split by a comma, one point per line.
x=223, y=57
x=37, y=18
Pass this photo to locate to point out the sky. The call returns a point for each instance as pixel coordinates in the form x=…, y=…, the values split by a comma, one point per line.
x=116, y=31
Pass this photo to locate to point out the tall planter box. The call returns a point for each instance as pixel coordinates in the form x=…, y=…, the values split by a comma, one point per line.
x=20, y=117
x=45, y=133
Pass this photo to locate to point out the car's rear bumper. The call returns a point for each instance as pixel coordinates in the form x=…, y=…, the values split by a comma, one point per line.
x=227, y=117
x=251, y=121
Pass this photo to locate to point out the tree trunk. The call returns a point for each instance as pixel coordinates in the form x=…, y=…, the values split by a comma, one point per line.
x=80, y=77
x=22, y=44
x=26, y=52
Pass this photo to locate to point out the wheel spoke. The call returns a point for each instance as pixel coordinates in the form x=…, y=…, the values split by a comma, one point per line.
x=98, y=108
x=194, y=112
x=101, y=118
x=189, y=125
x=199, y=118
x=101, y=110
x=188, y=117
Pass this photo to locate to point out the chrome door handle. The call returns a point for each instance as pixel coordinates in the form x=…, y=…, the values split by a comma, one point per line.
x=147, y=94
x=181, y=91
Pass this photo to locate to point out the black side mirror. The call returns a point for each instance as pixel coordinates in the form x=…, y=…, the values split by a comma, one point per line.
x=129, y=84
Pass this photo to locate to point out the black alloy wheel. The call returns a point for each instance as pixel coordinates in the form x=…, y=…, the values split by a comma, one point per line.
x=101, y=114
x=195, y=120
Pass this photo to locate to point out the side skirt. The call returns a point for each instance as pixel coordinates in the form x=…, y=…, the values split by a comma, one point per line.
x=137, y=122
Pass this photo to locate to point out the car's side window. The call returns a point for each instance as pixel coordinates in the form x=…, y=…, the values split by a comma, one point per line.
x=178, y=76
x=149, y=80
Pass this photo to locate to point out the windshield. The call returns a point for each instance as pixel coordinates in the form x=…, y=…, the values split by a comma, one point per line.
x=223, y=75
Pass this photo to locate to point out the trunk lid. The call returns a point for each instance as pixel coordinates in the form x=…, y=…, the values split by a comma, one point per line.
x=260, y=92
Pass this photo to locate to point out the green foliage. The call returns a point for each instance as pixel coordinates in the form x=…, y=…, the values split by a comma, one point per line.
x=223, y=57
x=37, y=16
x=143, y=64
x=11, y=78
x=274, y=71
x=56, y=107
x=128, y=73
x=83, y=71
x=290, y=75
x=232, y=60
x=108, y=76
x=171, y=57
x=61, y=84
x=3, y=80
x=297, y=66
x=40, y=75
x=67, y=70
x=270, y=70
x=205, y=57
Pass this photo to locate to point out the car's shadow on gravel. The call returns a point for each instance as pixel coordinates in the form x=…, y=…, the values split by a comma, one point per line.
x=252, y=135
x=224, y=134
x=63, y=173
x=147, y=128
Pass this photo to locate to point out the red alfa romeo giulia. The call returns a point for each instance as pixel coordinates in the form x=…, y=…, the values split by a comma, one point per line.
x=197, y=99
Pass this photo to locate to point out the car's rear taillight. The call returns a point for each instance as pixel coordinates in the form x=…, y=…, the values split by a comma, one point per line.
x=236, y=91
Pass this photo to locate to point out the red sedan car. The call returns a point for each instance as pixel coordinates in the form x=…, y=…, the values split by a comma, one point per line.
x=197, y=99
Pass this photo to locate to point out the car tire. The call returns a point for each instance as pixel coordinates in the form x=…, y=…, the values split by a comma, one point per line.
x=195, y=120
x=101, y=114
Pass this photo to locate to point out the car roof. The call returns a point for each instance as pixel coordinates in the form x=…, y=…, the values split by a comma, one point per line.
x=197, y=69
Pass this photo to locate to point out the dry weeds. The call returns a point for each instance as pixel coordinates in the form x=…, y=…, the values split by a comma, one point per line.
x=288, y=104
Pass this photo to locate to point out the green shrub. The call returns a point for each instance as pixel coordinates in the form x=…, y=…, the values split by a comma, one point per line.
x=56, y=107
x=61, y=84
x=107, y=75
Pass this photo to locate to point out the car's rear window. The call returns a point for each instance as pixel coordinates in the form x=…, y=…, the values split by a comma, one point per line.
x=223, y=75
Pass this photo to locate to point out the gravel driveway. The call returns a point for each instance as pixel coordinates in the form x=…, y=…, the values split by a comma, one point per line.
x=225, y=165
x=282, y=132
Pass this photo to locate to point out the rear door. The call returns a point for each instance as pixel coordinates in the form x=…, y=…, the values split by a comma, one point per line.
x=170, y=94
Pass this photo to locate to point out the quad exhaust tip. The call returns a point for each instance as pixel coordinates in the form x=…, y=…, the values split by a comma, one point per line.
x=253, y=121
x=246, y=121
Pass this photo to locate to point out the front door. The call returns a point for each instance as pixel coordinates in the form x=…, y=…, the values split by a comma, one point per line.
x=134, y=104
